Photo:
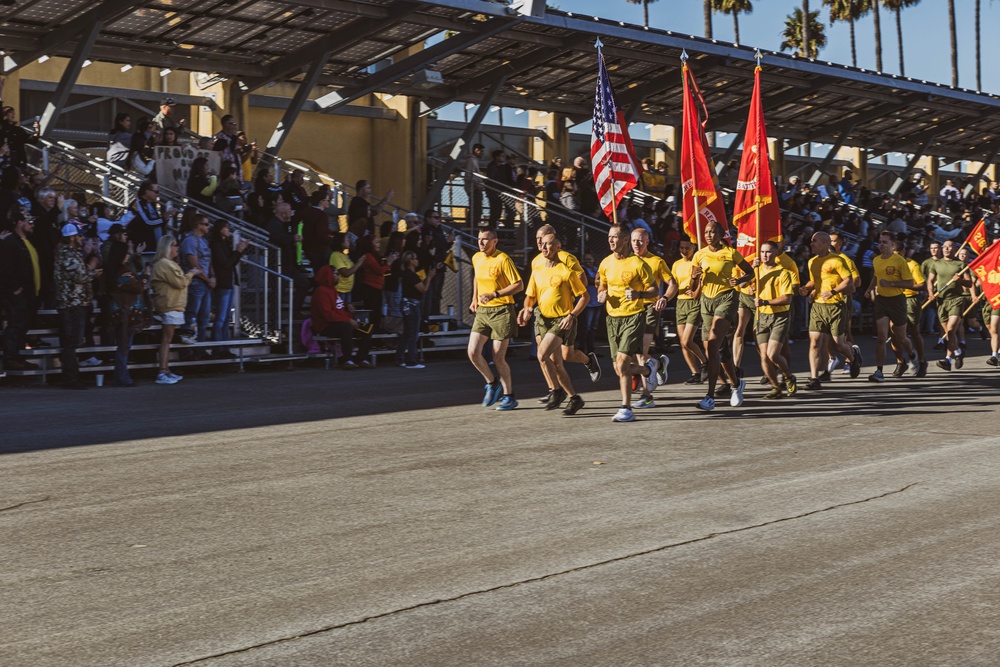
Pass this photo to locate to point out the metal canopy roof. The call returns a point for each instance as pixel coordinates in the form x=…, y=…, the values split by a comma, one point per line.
x=549, y=63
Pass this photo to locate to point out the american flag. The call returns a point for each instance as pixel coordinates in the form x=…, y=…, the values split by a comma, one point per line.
x=611, y=152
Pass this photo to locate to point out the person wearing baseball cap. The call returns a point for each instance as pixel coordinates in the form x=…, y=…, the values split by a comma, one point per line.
x=74, y=279
x=165, y=118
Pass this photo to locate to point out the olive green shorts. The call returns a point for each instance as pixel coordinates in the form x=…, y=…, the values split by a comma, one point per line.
x=772, y=327
x=827, y=318
x=497, y=322
x=652, y=318
x=550, y=325
x=726, y=306
x=688, y=311
x=913, y=310
x=746, y=301
x=625, y=333
x=989, y=311
x=953, y=306
x=893, y=307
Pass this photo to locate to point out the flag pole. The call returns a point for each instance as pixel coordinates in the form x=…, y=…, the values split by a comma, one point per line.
x=607, y=158
x=971, y=306
x=694, y=194
x=756, y=271
x=956, y=276
x=968, y=236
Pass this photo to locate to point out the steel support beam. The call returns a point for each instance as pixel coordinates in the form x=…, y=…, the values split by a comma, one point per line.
x=866, y=115
x=295, y=108
x=411, y=64
x=102, y=13
x=56, y=105
x=460, y=144
x=723, y=165
x=908, y=169
x=814, y=179
x=982, y=169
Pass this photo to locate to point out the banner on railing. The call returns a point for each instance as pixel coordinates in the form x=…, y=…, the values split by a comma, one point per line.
x=173, y=165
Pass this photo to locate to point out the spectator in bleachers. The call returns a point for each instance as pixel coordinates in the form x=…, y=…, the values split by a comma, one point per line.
x=473, y=184
x=950, y=197
x=266, y=193
x=74, y=276
x=391, y=289
x=150, y=218
x=169, y=137
x=119, y=140
x=170, y=290
x=361, y=212
x=46, y=211
x=20, y=284
x=165, y=118
x=414, y=288
x=140, y=159
x=294, y=193
x=591, y=317
x=371, y=277
x=16, y=137
x=227, y=141
x=229, y=195
x=340, y=260
x=283, y=233
x=196, y=258
x=316, y=229
x=250, y=157
x=437, y=243
x=331, y=317
x=225, y=259
x=123, y=286
x=502, y=174
x=201, y=184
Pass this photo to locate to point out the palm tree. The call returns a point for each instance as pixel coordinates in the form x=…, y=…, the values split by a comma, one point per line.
x=708, y=18
x=734, y=7
x=979, y=69
x=793, y=33
x=897, y=7
x=645, y=9
x=850, y=11
x=954, y=43
x=805, y=28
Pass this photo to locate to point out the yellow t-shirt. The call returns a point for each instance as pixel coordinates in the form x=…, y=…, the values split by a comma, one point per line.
x=36, y=267
x=717, y=268
x=788, y=264
x=661, y=273
x=918, y=277
x=493, y=273
x=566, y=258
x=682, y=274
x=851, y=266
x=775, y=283
x=555, y=288
x=826, y=273
x=893, y=269
x=616, y=276
x=339, y=260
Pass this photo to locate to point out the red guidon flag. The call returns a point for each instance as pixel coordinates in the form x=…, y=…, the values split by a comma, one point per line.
x=616, y=169
x=698, y=181
x=987, y=269
x=977, y=238
x=755, y=212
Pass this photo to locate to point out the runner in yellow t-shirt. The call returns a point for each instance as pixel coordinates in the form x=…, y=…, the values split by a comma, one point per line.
x=687, y=313
x=837, y=248
x=713, y=268
x=666, y=287
x=624, y=281
x=890, y=276
x=913, y=312
x=773, y=300
x=496, y=282
x=553, y=286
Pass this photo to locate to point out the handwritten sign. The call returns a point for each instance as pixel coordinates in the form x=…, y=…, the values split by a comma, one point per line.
x=173, y=165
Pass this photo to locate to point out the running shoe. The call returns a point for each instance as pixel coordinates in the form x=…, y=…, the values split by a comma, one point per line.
x=824, y=376
x=959, y=360
x=624, y=415
x=92, y=361
x=349, y=365
x=775, y=393
x=791, y=385
x=545, y=399
x=493, y=393
x=992, y=361
x=650, y=380
x=704, y=373
x=556, y=399
x=662, y=374
x=856, y=361
x=645, y=402
x=814, y=384
x=900, y=370
x=594, y=368
x=707, y=404
x=574, y=405
x=417, y=366
x=506, y=403
x=764, y=381
x=940, y=345
x=736, y=400
x=877, y=376
x=188, y=340
x=834, y=363
x=921, y=369
x=724, y=390
x=694, y=379
x=944, y=364
x=164, y=378
x=175, y=376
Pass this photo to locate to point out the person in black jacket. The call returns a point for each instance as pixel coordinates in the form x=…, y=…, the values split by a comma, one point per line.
x=20, y=284
x=224, y=260
x=16, y=137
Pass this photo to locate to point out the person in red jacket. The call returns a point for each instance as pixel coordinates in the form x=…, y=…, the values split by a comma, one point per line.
x=332, y=317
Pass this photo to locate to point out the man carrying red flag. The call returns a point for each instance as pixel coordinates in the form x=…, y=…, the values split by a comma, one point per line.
x=986, y=268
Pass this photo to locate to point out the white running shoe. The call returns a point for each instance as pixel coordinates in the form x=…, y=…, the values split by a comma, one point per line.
x=834, y=363
x=165, y=378
x=736, y=399
x=650, y=380
x=624, y=415
x=662, y=375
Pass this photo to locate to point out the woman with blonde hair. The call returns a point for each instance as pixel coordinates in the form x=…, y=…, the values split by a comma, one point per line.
x=170, y=288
